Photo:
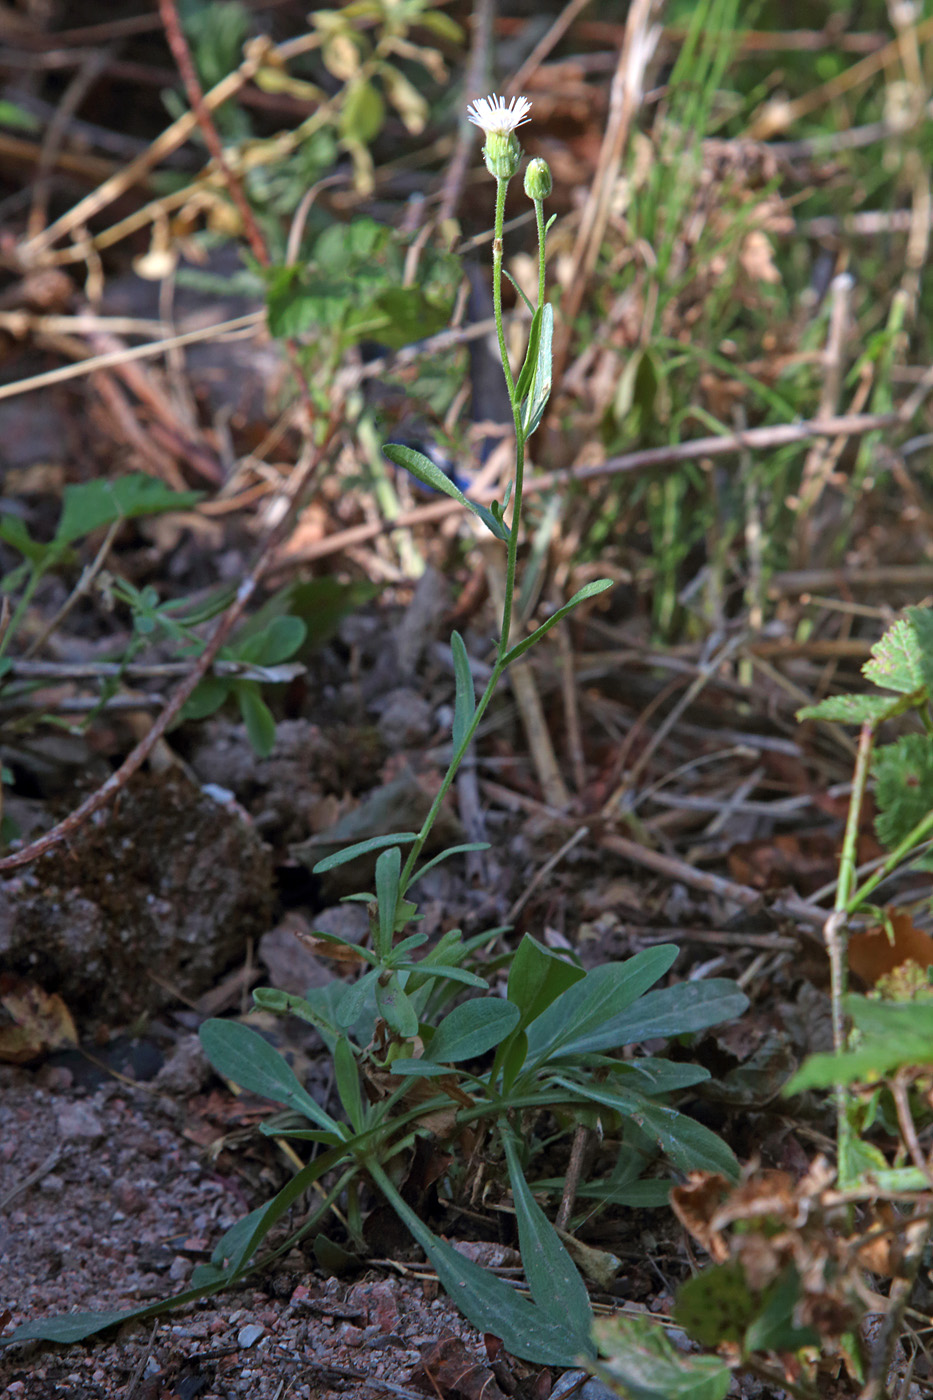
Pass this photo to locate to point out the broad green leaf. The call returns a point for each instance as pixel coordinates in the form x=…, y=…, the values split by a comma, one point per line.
x=684, y=1142
x=537, y=978
x=654, y=1076
x=680, y=1010
x=856, y=709
x=93, y=504
x=347, y=1079
x=362, y=848
x=207, y=697
x=241, y=1054
x=589, y=590
x=388, y=869
x=353, y=1002
x=893, y=1020
x=486, y=1301
x=430, y=474
x=642, y=1363
x=894, y=1035
x=465, y=703
x=472, y=1028
x=605, y=992
x=552, y=1277
x=535, y=404
x=903, y=773
x=260, y=724
x=278, y=641
x=896, y=662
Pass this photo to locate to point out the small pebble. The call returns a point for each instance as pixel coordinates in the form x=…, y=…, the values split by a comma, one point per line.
x=250, y=1334
x=78, y=1120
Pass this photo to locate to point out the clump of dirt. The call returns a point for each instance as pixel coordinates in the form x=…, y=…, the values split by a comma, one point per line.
x=157, y=896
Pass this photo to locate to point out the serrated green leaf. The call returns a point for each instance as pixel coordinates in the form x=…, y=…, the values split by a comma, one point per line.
x=430, y=474
x=553, y=1279
x=921, y=622
x=642, y=1363
x=361, y=848
x=465, y=702
x=896, y=662
x=590, y=590
x=241, y=1054
x=856, y=709
x=903, y=773
x=716, y=1305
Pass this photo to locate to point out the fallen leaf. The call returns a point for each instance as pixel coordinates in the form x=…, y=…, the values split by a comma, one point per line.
x=38, y=1023
x=874, y=953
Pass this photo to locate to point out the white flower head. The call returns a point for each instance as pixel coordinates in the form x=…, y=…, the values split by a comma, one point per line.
x=498, y=117
x=498, y=120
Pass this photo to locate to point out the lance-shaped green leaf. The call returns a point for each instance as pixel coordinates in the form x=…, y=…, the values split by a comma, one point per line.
x=388, y=870
x=362, y=848
x=469, y=1030
x=486, y=1301
x=536, y=402
x=590, y=590
x=553, y=1279
x=241, y=1054
x=465, y=702
x=523, y=383
x=430, y=474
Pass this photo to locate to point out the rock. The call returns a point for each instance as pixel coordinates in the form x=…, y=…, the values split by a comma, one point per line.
x=78, y=1120
x=249, y=1335
x=186, y=1071
x=291, y=967
x=406, y=720
x=158, y=895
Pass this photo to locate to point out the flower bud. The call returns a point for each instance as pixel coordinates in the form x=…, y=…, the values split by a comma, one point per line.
x=538, y=182
x=502, y=154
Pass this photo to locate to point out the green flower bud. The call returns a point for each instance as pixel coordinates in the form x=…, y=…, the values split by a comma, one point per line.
x=502, y=154
x=538, y=182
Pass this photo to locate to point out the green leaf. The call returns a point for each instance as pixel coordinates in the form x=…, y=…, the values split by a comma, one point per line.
x=552, y=1277
x=430, y=474
x=445, y=855
x=397, y=1008
x=241, y=1054
x=353, y=1002
x=895, y=1035
x=896, y=661
x=903, y=773
x=347, y=1079
x=277, y=642
x=686, y=1143
x=523, y=383
x=362, y=112
x=589, y=1005
x=14, y=532
x=258, y=718
x=589, y=590
x=537, y=978
x=680, y=1010
x=473, y=1028
x=485, y=1301
x=536, y=402
x=774, y=1328
x=857, y=709
x=465, y=703
x=98, y=503
x=388, y=869
x=716, y=1305
x=921, y=622
x=17, y=117
x=642, y=1363
x=361, y=848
